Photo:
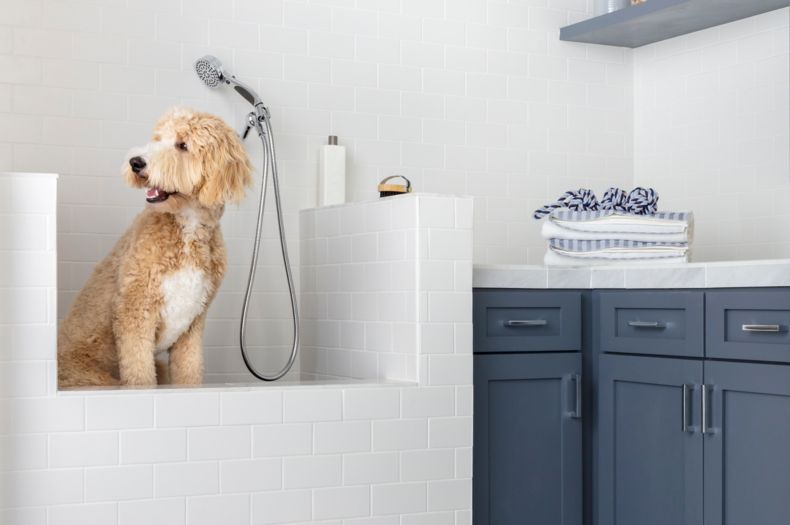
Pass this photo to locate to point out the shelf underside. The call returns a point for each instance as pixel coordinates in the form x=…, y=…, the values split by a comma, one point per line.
x=656, y=20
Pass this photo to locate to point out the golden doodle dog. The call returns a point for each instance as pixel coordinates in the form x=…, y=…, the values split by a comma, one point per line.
x=149, y=296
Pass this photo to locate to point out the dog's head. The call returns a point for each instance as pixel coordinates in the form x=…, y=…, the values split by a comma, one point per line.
x=193, y=159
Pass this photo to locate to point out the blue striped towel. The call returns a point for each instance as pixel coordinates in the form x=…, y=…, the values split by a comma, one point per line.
x=564, y=214
x=576, y=245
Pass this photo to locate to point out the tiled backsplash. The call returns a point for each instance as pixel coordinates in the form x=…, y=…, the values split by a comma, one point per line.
x=382, y=282
x=712, y=133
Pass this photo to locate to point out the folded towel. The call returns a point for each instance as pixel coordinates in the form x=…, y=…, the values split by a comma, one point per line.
x=610, y=221
x=553, y=258
x=553, y=230
x=617, y=249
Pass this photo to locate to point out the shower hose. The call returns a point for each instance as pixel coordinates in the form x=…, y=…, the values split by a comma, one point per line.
x=259, y=121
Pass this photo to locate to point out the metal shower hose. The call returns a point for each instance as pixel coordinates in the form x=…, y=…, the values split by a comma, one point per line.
x=255, y=120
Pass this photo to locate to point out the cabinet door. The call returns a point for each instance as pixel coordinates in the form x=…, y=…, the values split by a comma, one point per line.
x=747, y=449
x=650, y=458
x=528, y=439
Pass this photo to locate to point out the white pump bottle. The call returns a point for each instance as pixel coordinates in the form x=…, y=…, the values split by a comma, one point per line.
x=332, y=173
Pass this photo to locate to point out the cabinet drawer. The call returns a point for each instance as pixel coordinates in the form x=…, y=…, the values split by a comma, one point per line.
x=526, y=321
x=748, y=324
x=655, y=323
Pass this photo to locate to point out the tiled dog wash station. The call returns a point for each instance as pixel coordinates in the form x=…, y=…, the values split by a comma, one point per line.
x=456, y=364
x=397, y=443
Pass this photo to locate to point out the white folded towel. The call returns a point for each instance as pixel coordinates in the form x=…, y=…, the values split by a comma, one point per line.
x=553, y=258
x=656, y=252
x=552, y=230
x=609, y=221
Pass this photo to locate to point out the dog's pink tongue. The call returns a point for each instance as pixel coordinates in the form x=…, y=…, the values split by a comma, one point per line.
x=152, y=193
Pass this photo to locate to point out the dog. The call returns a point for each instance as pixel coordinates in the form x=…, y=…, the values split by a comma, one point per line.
x=148, y=298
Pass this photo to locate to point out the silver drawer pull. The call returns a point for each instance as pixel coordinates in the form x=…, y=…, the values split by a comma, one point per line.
x=646, y=324
x=761, y=328
x=526, y=322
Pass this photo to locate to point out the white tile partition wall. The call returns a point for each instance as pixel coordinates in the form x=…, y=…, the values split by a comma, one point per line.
x=331, y=454
x=382, y=281
x=476, y=97
x=712, y=133
x=27, y=284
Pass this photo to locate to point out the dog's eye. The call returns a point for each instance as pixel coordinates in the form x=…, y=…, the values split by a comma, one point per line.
x=182, y=146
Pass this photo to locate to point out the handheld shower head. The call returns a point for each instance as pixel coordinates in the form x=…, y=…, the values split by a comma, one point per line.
x=209, y=70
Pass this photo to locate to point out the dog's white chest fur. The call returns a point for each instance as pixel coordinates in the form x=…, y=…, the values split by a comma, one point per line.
x=185, y=293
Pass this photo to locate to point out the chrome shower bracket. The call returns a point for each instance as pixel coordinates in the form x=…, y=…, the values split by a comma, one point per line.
x=255, y=120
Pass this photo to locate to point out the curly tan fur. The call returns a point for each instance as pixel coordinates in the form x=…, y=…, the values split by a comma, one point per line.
x=149, y=296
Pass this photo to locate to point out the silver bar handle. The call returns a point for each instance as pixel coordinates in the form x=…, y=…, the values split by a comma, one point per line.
x=577, y=380
x=705, y=409
x=773, y=328
x=686, y=389
x=646, y=324
x=526, y=322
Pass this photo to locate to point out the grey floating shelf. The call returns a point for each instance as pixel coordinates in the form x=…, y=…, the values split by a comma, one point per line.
x=656, y=20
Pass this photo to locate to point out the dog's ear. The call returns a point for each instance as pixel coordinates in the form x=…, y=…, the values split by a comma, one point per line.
x=228, y=174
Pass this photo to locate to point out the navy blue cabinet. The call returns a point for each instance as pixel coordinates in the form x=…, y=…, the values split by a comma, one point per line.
x=747, y=444
x=528, y=439
x=700, y=440
x=623, y=407
x=650, y=463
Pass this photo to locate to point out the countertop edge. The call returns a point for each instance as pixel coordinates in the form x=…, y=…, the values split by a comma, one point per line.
x=717, y=274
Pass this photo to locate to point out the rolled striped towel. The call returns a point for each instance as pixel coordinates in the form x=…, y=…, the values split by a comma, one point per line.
x=639, y=201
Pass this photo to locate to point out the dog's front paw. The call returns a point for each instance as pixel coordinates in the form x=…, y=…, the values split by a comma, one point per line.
x=138, y=378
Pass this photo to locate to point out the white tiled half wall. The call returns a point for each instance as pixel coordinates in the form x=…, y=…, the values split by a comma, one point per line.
x=383, y=282
x=472, y=97
x=340, y=453
x=712, y=121
x=27, y=285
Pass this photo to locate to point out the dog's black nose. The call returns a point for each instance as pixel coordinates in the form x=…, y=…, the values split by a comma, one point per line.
x=137, y=164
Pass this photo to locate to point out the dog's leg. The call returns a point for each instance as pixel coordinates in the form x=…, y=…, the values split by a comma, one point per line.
x=134, y=325
x=136, y=359
x=186, y=355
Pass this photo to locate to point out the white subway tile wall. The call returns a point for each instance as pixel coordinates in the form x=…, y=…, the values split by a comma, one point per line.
x=474, y=97
x=332, y=454
x=383, y=281
x=384, y=465
x=712, y=133
x=28, y=225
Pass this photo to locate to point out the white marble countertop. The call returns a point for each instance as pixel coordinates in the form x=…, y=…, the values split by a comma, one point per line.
x=724, y=274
